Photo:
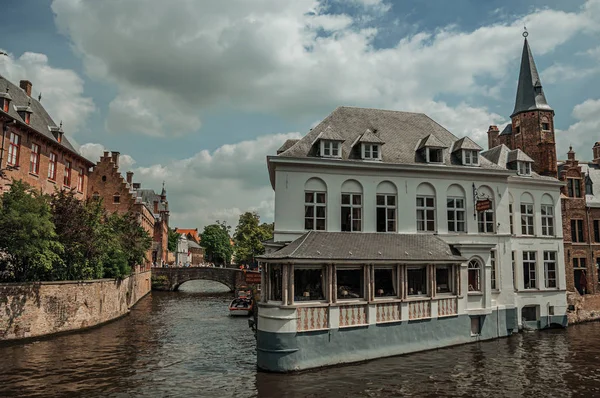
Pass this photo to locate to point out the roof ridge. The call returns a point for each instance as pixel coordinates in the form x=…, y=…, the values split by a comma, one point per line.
x=301, y=243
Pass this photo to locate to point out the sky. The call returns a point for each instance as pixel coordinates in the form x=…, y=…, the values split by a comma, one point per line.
x=196, y=93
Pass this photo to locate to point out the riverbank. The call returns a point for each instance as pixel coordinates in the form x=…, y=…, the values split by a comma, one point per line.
x=583, y=308
x=31, y=310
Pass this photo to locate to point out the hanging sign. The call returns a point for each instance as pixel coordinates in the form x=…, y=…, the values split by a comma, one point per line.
x=483, y=205
x=253, y=278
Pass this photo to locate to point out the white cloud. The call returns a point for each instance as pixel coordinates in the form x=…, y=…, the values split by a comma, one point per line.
x=559, y=72
x=582, y=134
x=218, y=185
x=271, y=56
x=62, y=89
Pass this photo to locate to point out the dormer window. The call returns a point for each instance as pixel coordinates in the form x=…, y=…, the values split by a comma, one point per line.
x=371, y=151
x=57, y=132
x=434, y=155
x=524, y=168
x=330, y=149
x=470, y=157
x=25, y=113
x=5, y=104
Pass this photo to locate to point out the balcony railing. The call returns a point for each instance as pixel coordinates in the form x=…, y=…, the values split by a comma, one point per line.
x=389, y=312
x=353, y=315
x=312, y=318
x=419, y=309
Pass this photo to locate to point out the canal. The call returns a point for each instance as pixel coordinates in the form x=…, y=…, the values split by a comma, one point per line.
x=185, y=345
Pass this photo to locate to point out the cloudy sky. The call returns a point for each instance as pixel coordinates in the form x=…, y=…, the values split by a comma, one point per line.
x=197, y=92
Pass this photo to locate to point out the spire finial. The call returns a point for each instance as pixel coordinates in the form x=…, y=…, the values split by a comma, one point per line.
x=525, y=33
x=40, y=97
x=60, y=125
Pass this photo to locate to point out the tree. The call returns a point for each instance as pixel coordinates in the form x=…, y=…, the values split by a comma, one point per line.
x=130, y=245
x=217, y=243
x=28, y=239
x=248, y=237
x=173, y=238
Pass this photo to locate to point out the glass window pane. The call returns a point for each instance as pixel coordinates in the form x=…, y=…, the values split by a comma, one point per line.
x=380, y=200
x=345, y=199
x=309, y=223
x=429, y=202
x=416, y=281
x=309, y=284
x=391, y=200
x=321, y=224
x=385, y=282
x=420, y=201
x=321, y=197
x=350, y=283
x=321, y=211
x=356, y=199
x=309, y=211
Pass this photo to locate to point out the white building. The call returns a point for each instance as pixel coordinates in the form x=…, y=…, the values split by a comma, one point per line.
x=384, y=251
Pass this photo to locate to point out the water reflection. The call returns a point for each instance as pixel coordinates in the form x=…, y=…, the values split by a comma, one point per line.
x=185, y=344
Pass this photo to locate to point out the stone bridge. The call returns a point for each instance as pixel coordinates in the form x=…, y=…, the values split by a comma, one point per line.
x=172, y=278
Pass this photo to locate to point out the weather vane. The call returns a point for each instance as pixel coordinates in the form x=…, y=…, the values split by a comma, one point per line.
x=525, y=33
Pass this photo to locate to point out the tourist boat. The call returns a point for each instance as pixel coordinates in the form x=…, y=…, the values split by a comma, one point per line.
x=241, y=306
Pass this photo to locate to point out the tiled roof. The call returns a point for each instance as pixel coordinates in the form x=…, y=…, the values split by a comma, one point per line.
x=148, y=196
x=503, y=156
x=530, y=95
x=431, y=141
x=330, y=134
x=518, y=155
x=193, y=232
x=354, y=246
x=402, y=133
x=39, y=121
x=466, y=143
x=287, y=145
x=370, y=138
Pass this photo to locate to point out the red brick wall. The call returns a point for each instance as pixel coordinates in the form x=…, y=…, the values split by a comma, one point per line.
x=535, y=142
x=106, y=181
x=40, y=180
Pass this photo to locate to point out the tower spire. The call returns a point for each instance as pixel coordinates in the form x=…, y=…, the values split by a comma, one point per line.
x=530, y=95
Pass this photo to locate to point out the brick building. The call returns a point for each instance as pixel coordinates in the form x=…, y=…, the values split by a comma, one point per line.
x=121, y=195
x=33, y=147
x=532, y=130
x=195, y=251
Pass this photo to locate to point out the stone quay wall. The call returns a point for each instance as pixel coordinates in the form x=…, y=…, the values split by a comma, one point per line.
x=38, y=309
x=583, y=308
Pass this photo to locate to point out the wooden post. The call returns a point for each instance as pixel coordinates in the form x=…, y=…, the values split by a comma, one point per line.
x=399, y=281
x=284, y=284
x=458, y=279
x=334, y=284
x=291, y=288
x=372, y=273
x=432, y=279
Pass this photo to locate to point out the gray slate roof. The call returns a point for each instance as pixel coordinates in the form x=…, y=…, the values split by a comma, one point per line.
x=148, y=196
x=466, y=143
x=518, y=155
x=354, y=246
x=507, y=130
x=431, y=142
x=530, y=95
x=287, y=145
x=369, y=137
x=402, y=132
x=40, y=121
x=330, y=134
x=503, y=156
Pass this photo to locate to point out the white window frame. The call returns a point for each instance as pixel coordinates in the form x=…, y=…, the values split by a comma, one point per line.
x=475, y=265
x=527, y=219
x=353, y=206
x=387, y=207
x=424, y=209
x=456, y=211
x=428, y=155
x=427, y=278
x=363, y=279
x=315, y=204
x=531, y=264
x=14, y=149
x=524, y=168
x=485, y=226
x=333, y=149
x=470, y=157
x=321, y=269
x=494, y=275
x=451, y=280
x=548, y=260
x=547, y=220
x=371, y=151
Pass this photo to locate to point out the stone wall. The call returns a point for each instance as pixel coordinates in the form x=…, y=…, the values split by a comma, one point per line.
x=38, y=309
x=584, y=308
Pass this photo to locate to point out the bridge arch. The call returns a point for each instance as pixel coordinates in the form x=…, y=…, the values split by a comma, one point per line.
x=172, y=278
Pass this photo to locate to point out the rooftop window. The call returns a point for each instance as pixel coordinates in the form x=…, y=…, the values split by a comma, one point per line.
x=524, y=168
x=434, y=155
x=330, y=149
x=371, y=151
x=470, y=157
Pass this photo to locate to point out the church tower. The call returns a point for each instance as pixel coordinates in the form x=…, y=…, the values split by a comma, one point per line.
x=533, y=119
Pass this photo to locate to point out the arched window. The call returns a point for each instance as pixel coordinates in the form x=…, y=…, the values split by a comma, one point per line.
x=117, y=198
x=527, y=213
x=351, y=217
x=547, y=210
x=485, y=218
x=455, y=206
x=426, y=208
x=386, y=207
x=315, y=205
x=474, y=275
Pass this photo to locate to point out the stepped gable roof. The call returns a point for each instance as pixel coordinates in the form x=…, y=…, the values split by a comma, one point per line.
x=518, y=155
x=375, y=247
x=287, y=145
x=466, y=143
x=507, y=130
x=40, y=120
x=369, y=137
x=402, y=133
x=530, y=94
x=592, y=171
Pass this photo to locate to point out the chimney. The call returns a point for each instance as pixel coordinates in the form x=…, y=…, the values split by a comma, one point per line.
x=26, y=86
x=115, y=158
x=493, y=133
x=130, y=177
x=137, y=185
x=571, y=154
x=105, y=155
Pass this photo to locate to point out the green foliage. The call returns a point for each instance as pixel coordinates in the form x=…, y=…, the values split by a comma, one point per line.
x=217, y=243
x=28, y=241
x=59, y=237
x=248, y=237
x=173, y=238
